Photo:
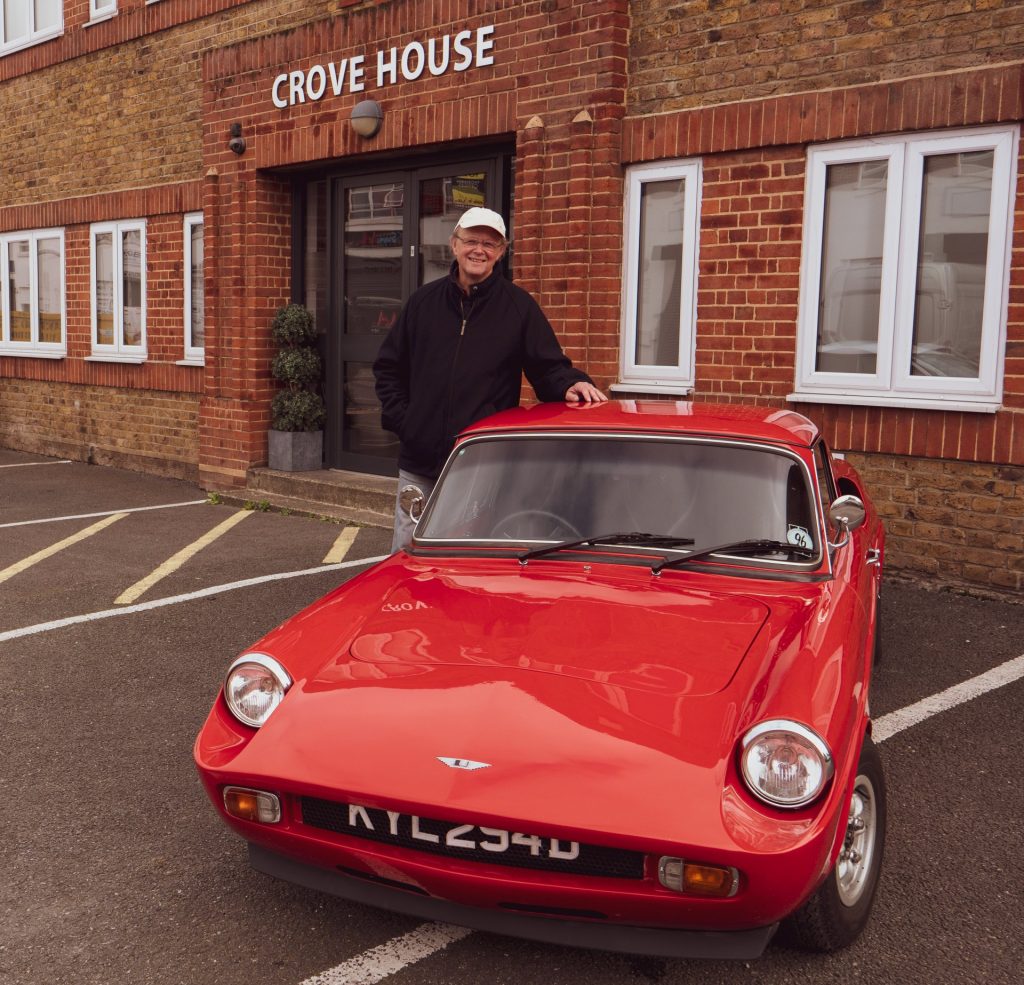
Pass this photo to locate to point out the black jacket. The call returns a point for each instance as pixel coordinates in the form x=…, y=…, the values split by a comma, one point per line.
x=452, y=359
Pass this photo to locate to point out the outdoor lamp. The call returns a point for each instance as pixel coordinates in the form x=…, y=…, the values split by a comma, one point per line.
x=367, y=117
x=237, y=142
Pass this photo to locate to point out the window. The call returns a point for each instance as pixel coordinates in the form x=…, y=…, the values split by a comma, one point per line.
x=195, y=293
x=25, y=22
x=102, y=8
x=32, y=305
x=906, y=268
x=659, y=300
x=119, y=291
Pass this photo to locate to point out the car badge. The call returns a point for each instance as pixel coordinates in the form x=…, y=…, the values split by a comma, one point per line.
x=462, y=764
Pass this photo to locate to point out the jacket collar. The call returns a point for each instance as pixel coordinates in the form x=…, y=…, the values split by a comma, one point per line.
x=477, y=290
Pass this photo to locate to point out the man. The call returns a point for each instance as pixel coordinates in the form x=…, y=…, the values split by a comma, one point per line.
x=458, y=353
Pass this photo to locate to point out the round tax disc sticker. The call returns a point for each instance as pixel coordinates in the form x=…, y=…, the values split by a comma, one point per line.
x=799, y=537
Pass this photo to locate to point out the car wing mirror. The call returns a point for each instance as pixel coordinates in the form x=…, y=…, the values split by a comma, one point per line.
x=410, y=502
x=846, y=514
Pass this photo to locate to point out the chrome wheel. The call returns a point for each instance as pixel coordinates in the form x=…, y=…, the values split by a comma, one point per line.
x=836, y=914
x=856, y=858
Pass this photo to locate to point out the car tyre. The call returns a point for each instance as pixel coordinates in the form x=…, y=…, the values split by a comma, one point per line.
x=839, y=910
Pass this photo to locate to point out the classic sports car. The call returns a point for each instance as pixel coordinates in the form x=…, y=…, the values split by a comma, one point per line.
x=614, y=695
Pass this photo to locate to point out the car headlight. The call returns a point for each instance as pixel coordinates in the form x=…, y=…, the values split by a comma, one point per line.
x=785, y=764
x=255, y=685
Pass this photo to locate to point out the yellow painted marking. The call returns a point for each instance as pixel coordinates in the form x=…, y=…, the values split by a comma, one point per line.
x=42, y=555
x=172, y=564
x=341, y=546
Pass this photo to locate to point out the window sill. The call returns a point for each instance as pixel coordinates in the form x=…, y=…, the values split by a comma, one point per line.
x=899, y=402
x=30, y=42
x=191, y=362
x=112, y=358
x=669, y=389
x=28, y=353
x=100, y=19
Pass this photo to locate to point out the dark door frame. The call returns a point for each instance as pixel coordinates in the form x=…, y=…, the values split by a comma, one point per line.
x=496, y=162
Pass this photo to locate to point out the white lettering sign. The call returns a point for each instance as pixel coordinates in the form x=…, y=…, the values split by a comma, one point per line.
x=466, y=50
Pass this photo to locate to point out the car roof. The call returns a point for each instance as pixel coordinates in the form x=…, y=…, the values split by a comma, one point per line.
x=775, y=424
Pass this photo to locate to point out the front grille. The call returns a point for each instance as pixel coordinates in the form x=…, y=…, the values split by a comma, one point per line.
x=377, y=825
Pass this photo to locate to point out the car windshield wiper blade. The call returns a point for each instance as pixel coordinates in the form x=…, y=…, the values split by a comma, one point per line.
x=736, y=547
x=636, y=537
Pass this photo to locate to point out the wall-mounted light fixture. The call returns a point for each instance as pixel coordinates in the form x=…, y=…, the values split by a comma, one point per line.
x=367, y=117
x=237, y=142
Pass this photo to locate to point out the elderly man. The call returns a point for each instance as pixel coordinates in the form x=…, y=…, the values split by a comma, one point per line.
x=458, y=353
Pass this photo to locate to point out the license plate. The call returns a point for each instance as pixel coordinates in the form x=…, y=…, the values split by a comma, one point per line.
x=498, y=846
x=408, y=828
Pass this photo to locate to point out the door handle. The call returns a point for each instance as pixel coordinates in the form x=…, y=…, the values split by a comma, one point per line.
x=874, y=556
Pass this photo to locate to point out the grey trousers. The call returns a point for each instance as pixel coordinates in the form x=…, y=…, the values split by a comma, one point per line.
x=404, y=525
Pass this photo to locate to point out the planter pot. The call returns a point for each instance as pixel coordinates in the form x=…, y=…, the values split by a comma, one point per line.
x=295, y=451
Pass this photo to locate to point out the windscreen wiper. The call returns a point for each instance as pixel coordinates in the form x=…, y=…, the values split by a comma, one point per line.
x=636, y=537
x=736, y=547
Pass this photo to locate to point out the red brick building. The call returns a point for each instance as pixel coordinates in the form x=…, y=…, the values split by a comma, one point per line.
x=795, y=202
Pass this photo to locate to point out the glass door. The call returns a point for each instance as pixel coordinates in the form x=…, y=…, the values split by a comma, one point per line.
x=373, y=274
x=391, y=237
x=442, y=197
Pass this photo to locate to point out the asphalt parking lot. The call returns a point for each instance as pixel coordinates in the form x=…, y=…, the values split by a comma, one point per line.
x=124, y=597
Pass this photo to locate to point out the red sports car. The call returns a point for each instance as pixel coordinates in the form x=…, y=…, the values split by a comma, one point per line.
x=614, y=695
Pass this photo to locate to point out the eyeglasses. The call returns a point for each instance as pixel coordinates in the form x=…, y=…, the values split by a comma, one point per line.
x=487, y=245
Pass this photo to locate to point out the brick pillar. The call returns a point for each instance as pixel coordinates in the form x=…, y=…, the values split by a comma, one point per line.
x=249, y=270
x=529, y=205
x=577, y=249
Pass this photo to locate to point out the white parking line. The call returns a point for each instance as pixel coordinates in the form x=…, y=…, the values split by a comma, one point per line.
x=388, y=959
x=89, y=516
x=22, y=465
x=174, y=562
x=377, y=964
x=19, y=566
x=896, y=721
x=127, y=610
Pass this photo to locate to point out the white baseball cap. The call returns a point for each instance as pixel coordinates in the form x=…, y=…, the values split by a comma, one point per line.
x=477, y=216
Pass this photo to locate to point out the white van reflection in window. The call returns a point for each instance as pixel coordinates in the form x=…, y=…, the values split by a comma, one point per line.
x=947, y=319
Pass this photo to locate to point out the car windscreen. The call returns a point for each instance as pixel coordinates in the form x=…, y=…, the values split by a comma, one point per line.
x=540, y=489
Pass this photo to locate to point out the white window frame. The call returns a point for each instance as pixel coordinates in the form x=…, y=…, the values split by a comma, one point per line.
x=194, y=354
x=118, y=351
x=34, y=347
x=892, y=383
x=35, y=35
x=636, y=376
x=102, y=9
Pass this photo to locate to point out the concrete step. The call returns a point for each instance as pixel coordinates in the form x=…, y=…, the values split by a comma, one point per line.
x=347, y=496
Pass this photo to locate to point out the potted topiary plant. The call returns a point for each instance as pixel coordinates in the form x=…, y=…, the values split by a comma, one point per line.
x=296, y=437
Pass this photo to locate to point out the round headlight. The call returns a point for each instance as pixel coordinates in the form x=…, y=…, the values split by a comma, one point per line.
x=255, y=685
x=785, y=764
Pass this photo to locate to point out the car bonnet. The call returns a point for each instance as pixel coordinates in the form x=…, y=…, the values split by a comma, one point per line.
x=617, y=630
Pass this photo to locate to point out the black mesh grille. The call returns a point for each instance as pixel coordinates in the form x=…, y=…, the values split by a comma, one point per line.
x=589, y=860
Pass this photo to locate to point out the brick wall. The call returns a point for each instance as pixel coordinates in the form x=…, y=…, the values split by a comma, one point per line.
x=555, y=93
x=119, y=104
x=163, y=208
x=105, y=123
x=688, y=53
x=754, y=157
x=130, y=119
x=150, y=431
x=950, y=485
x=952, y=524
